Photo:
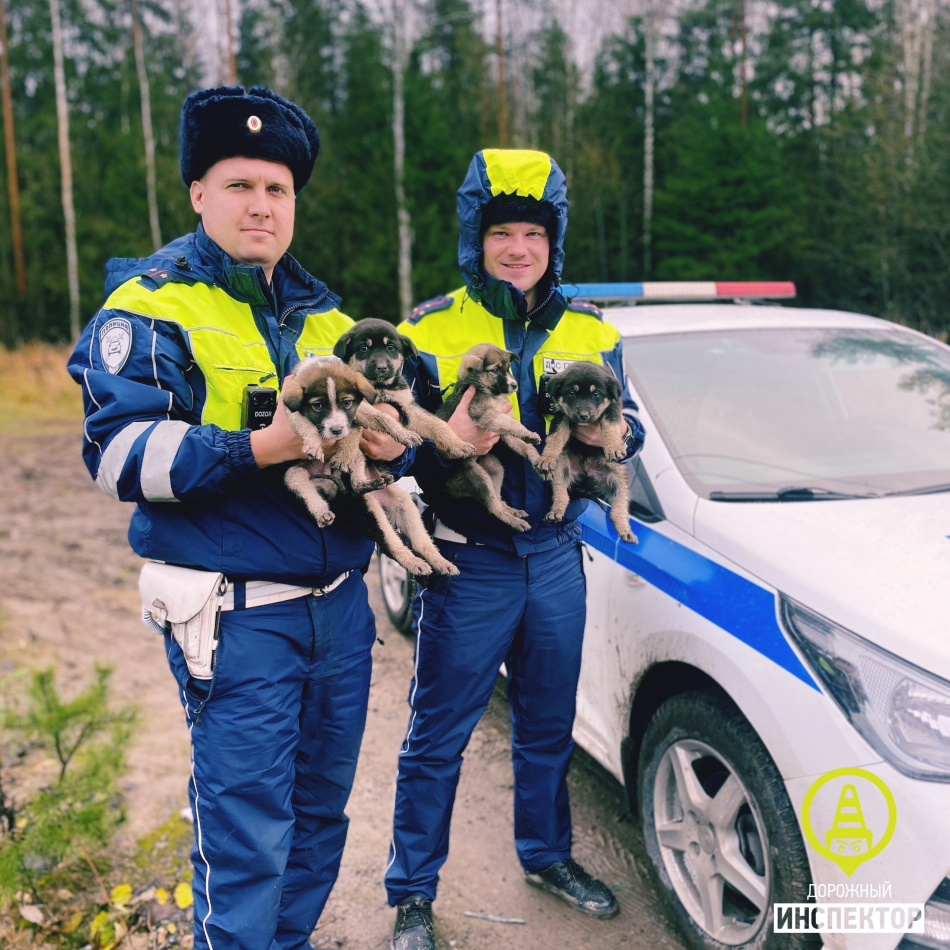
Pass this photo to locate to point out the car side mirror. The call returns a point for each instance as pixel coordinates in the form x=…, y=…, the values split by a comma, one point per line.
x=644, y=505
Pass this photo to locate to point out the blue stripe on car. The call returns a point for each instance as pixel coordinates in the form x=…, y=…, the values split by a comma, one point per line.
x=725, y=598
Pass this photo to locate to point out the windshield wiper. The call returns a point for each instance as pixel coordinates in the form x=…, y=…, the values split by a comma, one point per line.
x=789, y=494
x=926, y=490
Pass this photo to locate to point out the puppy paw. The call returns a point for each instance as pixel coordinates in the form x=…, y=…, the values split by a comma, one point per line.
x=464, y=450
x=614, y=456
x=324, y=521
x=545, y=466
x=446, y=567
x=532, y=437
x=628, y=536
x=417, y=566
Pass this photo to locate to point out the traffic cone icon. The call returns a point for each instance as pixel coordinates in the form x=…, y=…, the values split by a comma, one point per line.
x=848, y=836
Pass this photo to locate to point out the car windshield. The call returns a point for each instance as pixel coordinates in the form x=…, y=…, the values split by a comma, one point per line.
x=799, y=414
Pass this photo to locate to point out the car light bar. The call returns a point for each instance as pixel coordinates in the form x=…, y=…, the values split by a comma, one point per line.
x=682, y=290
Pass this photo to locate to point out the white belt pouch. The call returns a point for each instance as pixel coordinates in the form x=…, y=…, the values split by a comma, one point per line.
x=189, y=602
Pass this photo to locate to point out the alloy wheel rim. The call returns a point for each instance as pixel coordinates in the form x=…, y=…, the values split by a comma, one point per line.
x=394, y=582
x=712, y=841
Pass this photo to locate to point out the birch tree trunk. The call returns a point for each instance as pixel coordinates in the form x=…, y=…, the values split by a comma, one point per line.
x=9, y=136
x=149, y=136
x=403, y=220
x=648, y=118
x=66, y=170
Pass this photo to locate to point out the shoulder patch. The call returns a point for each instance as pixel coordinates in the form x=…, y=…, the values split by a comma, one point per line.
x=156, y=277
x=429, y=306
x=582, y=306
x=115, y=343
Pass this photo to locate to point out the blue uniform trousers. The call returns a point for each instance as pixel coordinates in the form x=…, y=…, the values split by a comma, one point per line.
x=528, y=613
x=273, y=759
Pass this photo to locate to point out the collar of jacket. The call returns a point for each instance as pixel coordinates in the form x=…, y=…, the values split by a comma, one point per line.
x=501, y=299
x=293, y=286
x=195, y=257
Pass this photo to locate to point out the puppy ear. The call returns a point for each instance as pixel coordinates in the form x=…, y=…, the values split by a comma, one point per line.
x=512, y=356
x=409, y=348
x=470, y=364
x=555, y=385
x=341, y=349
x=292, y=393
x=614, y=389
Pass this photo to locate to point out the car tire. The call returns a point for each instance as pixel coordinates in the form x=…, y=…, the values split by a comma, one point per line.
x=398, y=588
x=718, y=826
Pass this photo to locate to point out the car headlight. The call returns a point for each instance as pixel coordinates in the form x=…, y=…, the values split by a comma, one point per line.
x=900, y=709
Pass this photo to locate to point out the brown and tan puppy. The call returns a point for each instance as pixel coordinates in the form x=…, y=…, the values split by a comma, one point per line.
x=375, y=349
x=487, y=369
x=310, y=392
x=323, y=398
x=587, y=394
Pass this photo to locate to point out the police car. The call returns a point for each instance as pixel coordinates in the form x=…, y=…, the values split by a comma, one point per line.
x=768, y=670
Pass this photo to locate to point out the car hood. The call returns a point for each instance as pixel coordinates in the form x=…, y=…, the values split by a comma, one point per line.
x=880, y=567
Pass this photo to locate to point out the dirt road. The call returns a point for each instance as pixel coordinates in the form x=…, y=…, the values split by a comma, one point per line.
x=69, y=598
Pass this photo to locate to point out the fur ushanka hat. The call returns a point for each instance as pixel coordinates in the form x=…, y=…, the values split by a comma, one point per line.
x=227, y=121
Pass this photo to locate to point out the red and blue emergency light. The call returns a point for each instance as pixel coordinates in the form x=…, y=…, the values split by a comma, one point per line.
x=682, y=290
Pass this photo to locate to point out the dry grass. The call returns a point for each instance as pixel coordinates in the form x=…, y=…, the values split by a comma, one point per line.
x=36, y=392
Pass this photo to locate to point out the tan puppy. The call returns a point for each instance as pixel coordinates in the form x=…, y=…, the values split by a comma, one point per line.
x=587, y=394
x=375, y=349
x=487, y=369
x=324, y=378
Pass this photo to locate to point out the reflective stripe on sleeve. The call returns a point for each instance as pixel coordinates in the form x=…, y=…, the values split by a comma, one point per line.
x=115, y=456
x=160, y=452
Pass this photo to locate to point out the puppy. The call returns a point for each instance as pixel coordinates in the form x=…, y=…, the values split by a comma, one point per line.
x=487, y=369
x=375, y=349
x=320, y=383
x=323, y=398
x=586, y=394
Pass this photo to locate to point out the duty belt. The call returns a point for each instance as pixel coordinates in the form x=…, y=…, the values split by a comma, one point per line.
x=240, y=595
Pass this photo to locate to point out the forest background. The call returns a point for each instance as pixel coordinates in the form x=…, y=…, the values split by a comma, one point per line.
x=703, y=139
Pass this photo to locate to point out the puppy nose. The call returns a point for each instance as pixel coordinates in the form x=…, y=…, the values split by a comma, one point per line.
x=336, y=430
x=583, y=416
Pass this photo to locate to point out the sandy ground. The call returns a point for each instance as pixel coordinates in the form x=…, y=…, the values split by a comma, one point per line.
x=69, y=598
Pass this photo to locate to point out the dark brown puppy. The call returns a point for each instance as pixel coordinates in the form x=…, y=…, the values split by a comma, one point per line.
x=487, y=369
x=375, y=349
x=323, y=398
x=587, y=394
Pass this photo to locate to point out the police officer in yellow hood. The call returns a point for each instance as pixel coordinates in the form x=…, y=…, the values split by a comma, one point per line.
x=519, y=598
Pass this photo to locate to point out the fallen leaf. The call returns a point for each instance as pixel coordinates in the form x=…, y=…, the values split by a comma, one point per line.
x=183, y=896
x=32, y=913
x=98, y=922
x=161, y=896
x=121, y=895
x=72, y=924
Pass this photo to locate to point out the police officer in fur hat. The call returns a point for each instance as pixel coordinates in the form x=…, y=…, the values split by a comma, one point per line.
x=186, y=341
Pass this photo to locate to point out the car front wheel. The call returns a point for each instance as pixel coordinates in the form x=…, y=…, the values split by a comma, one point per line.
x=718, y=826
x=398, y=588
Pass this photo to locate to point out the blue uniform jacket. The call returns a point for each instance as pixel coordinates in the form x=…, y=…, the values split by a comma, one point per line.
x=163, y=366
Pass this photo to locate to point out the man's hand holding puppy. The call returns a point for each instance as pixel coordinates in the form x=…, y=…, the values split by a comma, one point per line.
x=379, y=446
x=462, y=424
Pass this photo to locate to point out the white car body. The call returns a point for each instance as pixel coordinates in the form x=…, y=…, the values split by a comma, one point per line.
x=701, y=589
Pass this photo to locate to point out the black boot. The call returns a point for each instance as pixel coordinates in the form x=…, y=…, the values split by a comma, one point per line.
x=414, y=930
x=569, y=881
